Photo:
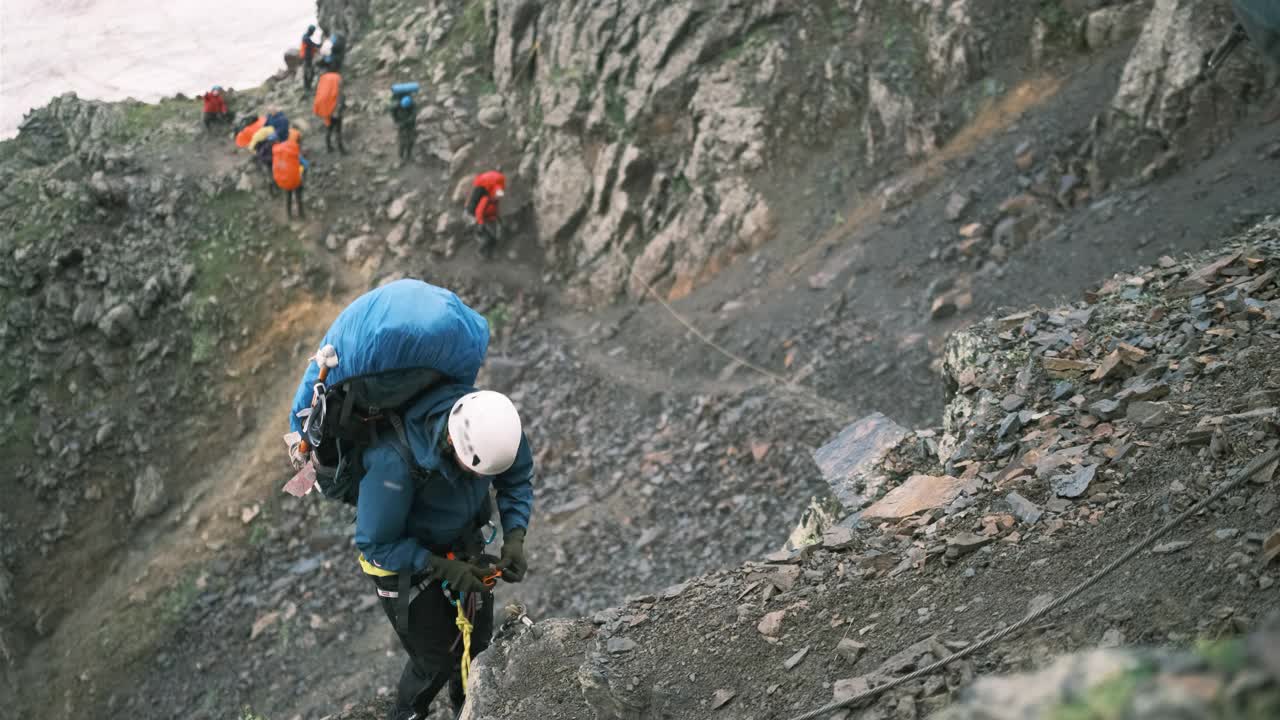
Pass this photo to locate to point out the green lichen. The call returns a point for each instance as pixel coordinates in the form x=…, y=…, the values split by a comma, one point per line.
x=1108, y=700
x=142, y=120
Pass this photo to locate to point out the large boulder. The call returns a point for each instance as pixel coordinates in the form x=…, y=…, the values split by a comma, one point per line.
x=68, y=125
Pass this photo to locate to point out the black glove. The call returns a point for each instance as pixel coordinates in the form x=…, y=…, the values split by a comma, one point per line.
x=513, y=563
x=462, y=576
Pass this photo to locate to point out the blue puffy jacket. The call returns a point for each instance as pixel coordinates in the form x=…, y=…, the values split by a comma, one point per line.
x=396, y=521
x=281, y=124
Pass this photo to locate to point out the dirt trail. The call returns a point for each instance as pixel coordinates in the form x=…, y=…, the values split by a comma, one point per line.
x=115, y=623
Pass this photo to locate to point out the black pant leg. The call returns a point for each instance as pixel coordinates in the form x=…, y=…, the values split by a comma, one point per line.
x=417, y=690
x=433, y=641
x=489, y=238
x=302, y=212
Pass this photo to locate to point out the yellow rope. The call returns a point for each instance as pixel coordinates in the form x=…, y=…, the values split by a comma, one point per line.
x=464, y=627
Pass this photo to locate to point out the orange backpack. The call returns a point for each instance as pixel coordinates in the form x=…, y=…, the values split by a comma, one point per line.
x=285, y=165
x=245, y=136
x=327, y=88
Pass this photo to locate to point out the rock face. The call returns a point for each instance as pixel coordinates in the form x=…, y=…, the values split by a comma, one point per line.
x=1164, y=104
x=655, y=116
x=68, y=125
x=646, y=131
x=635, y=136
x=633, y=133
x=126, y=279
x=348, y=17
x=940, y=545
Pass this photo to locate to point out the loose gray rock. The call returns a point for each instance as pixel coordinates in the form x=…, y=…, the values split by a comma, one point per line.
x=1148, y=414
x=1073, y=485
x=956, y=205
x=1023, y=509
x=618, y=645
x=850, y=650
x=149, y=496
x=1106, y=409
x=119, y=324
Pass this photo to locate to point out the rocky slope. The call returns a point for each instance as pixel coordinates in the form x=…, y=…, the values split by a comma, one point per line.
x=132, y=283
x=1073, y=431
x=956, y=157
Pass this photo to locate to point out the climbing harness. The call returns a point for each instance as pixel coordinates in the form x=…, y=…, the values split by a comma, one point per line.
x=1242, y=476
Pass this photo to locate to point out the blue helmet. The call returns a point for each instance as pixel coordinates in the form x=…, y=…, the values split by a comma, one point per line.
x=311, y=29
x=406, y=101
x=217, y=88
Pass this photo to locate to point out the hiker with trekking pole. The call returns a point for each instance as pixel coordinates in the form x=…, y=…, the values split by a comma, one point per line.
x=387, y=418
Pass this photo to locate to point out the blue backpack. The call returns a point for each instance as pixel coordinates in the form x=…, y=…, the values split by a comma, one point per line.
x=388, y=347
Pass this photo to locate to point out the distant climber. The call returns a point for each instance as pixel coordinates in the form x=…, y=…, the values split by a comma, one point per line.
x=288, y=167
x=486, y=192
x=337, y=52
x=405, y=115
x=329, y=106
x=308, y=51
x=277, y=119
x=215, y=109
x=262, y=145
x=468, y=440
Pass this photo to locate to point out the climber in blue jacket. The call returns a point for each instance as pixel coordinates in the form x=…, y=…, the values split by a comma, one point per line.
x=420, y=519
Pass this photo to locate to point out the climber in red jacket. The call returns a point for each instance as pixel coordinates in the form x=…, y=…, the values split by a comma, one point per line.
x=215, y=108
x=486, y=191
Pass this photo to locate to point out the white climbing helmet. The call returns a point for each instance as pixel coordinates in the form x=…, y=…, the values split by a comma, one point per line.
x=485, y=430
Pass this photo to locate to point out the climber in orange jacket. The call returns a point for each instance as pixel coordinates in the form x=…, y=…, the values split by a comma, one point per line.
x=287, y=168
x=486, y=191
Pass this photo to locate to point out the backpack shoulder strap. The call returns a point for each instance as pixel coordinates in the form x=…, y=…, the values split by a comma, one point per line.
x=401, y=443
x=401, y=440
